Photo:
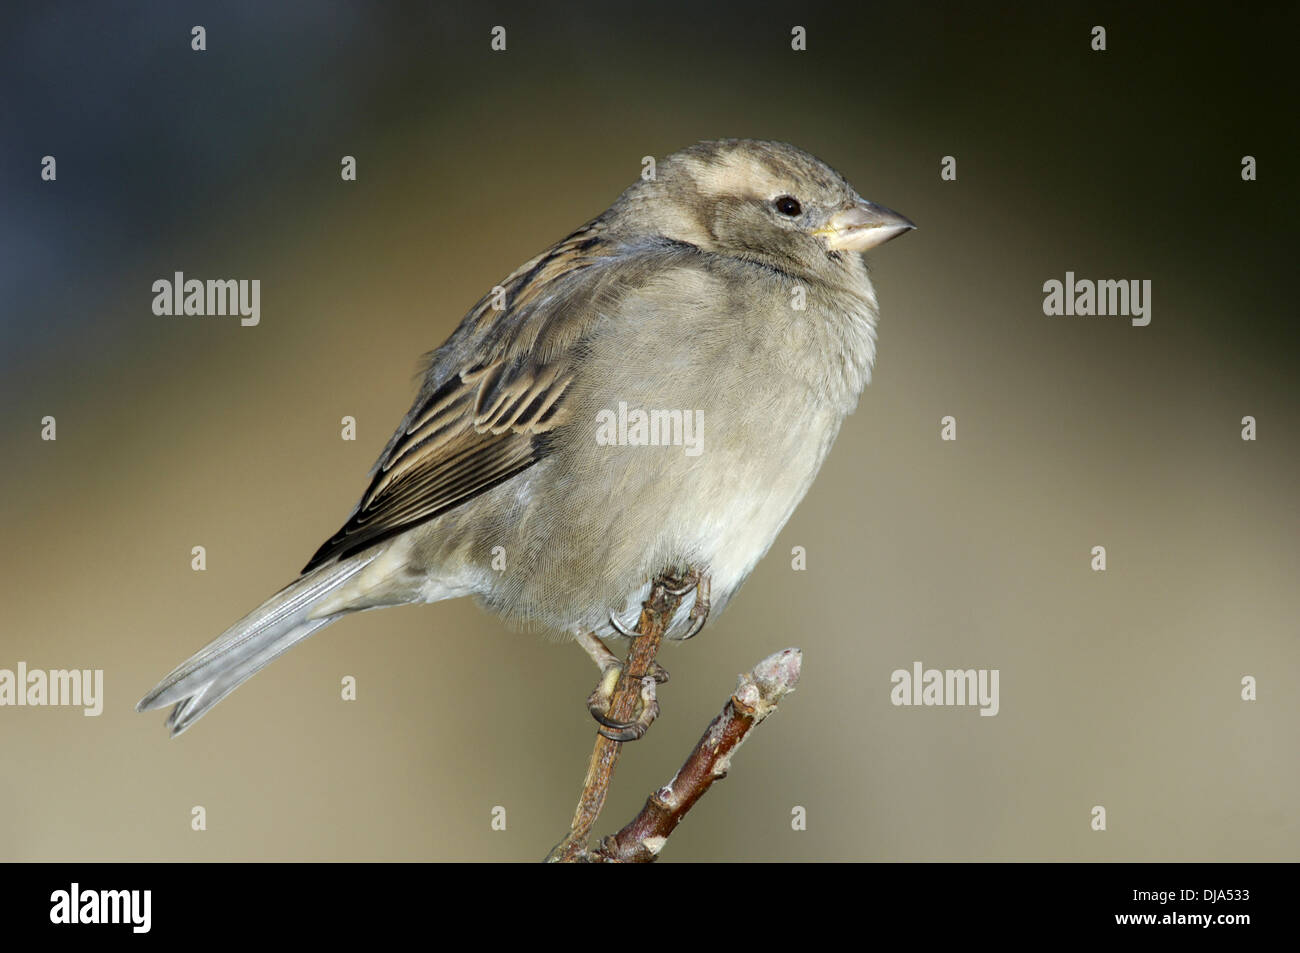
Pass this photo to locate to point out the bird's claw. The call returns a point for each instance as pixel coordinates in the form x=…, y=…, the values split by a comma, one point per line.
x=626, y=730
x=648, y=705
x=699, y=613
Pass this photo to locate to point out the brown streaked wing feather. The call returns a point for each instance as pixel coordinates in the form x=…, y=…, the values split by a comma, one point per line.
x=481, y=426
x=450, y=455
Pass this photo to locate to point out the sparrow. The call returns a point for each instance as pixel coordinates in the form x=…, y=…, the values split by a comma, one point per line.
x=650, y=397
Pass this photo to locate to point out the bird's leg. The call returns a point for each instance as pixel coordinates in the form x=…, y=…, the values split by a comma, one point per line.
x=611, y=669
x=700, y=582
x=647, y=712
x=637, y=683
x=699, y=613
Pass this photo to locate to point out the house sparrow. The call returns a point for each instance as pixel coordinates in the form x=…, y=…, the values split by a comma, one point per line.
x=652, y=395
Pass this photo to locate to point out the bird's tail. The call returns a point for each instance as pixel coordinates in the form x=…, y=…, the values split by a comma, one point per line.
x=253, y=642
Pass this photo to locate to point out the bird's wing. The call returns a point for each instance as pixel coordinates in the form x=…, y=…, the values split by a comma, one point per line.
x=490, y=394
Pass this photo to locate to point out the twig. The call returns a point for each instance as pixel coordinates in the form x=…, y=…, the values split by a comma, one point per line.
x=756, y=697
x=656, y=614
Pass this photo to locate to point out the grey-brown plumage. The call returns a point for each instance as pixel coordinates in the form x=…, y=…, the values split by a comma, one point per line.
x=683, y=296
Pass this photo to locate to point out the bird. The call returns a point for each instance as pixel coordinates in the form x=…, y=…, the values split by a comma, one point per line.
x=651, y=397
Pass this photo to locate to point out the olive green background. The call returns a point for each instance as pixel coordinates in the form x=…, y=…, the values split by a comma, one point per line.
x=1119, y=688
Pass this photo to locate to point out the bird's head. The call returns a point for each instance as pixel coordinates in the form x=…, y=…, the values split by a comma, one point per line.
x=765, y=201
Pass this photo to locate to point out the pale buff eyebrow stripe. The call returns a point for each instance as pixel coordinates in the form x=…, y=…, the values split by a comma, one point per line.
x=739, y=176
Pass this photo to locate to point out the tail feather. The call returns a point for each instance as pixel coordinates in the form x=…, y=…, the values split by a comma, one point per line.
x=189, y=710
x=253, y=642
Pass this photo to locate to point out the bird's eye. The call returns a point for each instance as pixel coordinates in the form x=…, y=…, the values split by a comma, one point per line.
x=788, y=205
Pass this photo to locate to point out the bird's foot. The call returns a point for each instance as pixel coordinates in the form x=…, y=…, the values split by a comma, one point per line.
x=701, y=583
x=647, y=706
x=611, y=670
x=647, y=709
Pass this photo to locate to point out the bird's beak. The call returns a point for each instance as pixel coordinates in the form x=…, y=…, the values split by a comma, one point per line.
x=863, y=226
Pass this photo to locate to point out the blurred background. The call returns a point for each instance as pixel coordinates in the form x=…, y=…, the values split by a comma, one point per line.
x=1118, y=688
